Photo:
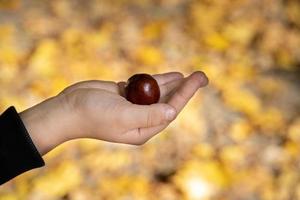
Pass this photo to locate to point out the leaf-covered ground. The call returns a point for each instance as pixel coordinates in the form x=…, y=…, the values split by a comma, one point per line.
x=239, y=138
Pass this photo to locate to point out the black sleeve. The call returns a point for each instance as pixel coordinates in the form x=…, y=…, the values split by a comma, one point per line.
x=17, y=151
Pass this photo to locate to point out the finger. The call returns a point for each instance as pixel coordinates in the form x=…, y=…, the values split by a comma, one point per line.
x=137, y=116
x=167, y=89
x=187, y=90
x=95, y=84
x=139, y=136
x=167, y=77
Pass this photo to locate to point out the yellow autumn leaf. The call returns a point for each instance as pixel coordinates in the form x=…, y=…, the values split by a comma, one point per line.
x=209, y=170
x=233, y=154
x=149, y=55
x=270, y=120
x=153, y=30
x=217, y=41
x=44, y=61
x=204, y=151
x=59, y=181
x=294, y=130
x=242, y=100
x=240, y=130
x=9, y=197
x=10, y=4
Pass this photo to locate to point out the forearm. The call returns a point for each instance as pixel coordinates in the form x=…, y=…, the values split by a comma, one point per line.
x=49, y=124
x=28, y=135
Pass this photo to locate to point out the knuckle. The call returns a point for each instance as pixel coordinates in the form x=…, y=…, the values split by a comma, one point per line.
x=66, y=100
x=74, y=100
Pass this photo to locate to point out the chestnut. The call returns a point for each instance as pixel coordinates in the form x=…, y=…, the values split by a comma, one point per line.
x=142, y=89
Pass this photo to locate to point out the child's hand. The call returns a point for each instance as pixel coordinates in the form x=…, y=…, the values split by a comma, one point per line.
x=98, y=109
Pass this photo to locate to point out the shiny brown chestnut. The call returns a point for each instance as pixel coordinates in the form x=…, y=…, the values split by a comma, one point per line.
x=142, y=89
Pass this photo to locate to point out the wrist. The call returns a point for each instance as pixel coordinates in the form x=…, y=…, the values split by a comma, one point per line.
x=49, y=123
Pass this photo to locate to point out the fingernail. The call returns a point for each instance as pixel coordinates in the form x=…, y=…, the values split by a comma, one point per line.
x=170, y=114
x=202, y=77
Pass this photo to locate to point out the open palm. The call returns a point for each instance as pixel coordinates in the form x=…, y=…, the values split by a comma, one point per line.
x=104, y=113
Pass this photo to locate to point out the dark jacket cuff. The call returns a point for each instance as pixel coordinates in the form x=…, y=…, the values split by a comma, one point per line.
x=17, y=151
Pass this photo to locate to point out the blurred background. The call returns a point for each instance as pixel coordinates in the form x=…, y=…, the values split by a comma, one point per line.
x=238, y=139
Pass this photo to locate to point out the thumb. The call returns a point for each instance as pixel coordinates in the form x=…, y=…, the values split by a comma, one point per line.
x=138, y=116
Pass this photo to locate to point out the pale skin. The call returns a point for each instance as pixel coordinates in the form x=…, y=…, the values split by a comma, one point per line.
x=97, y=109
